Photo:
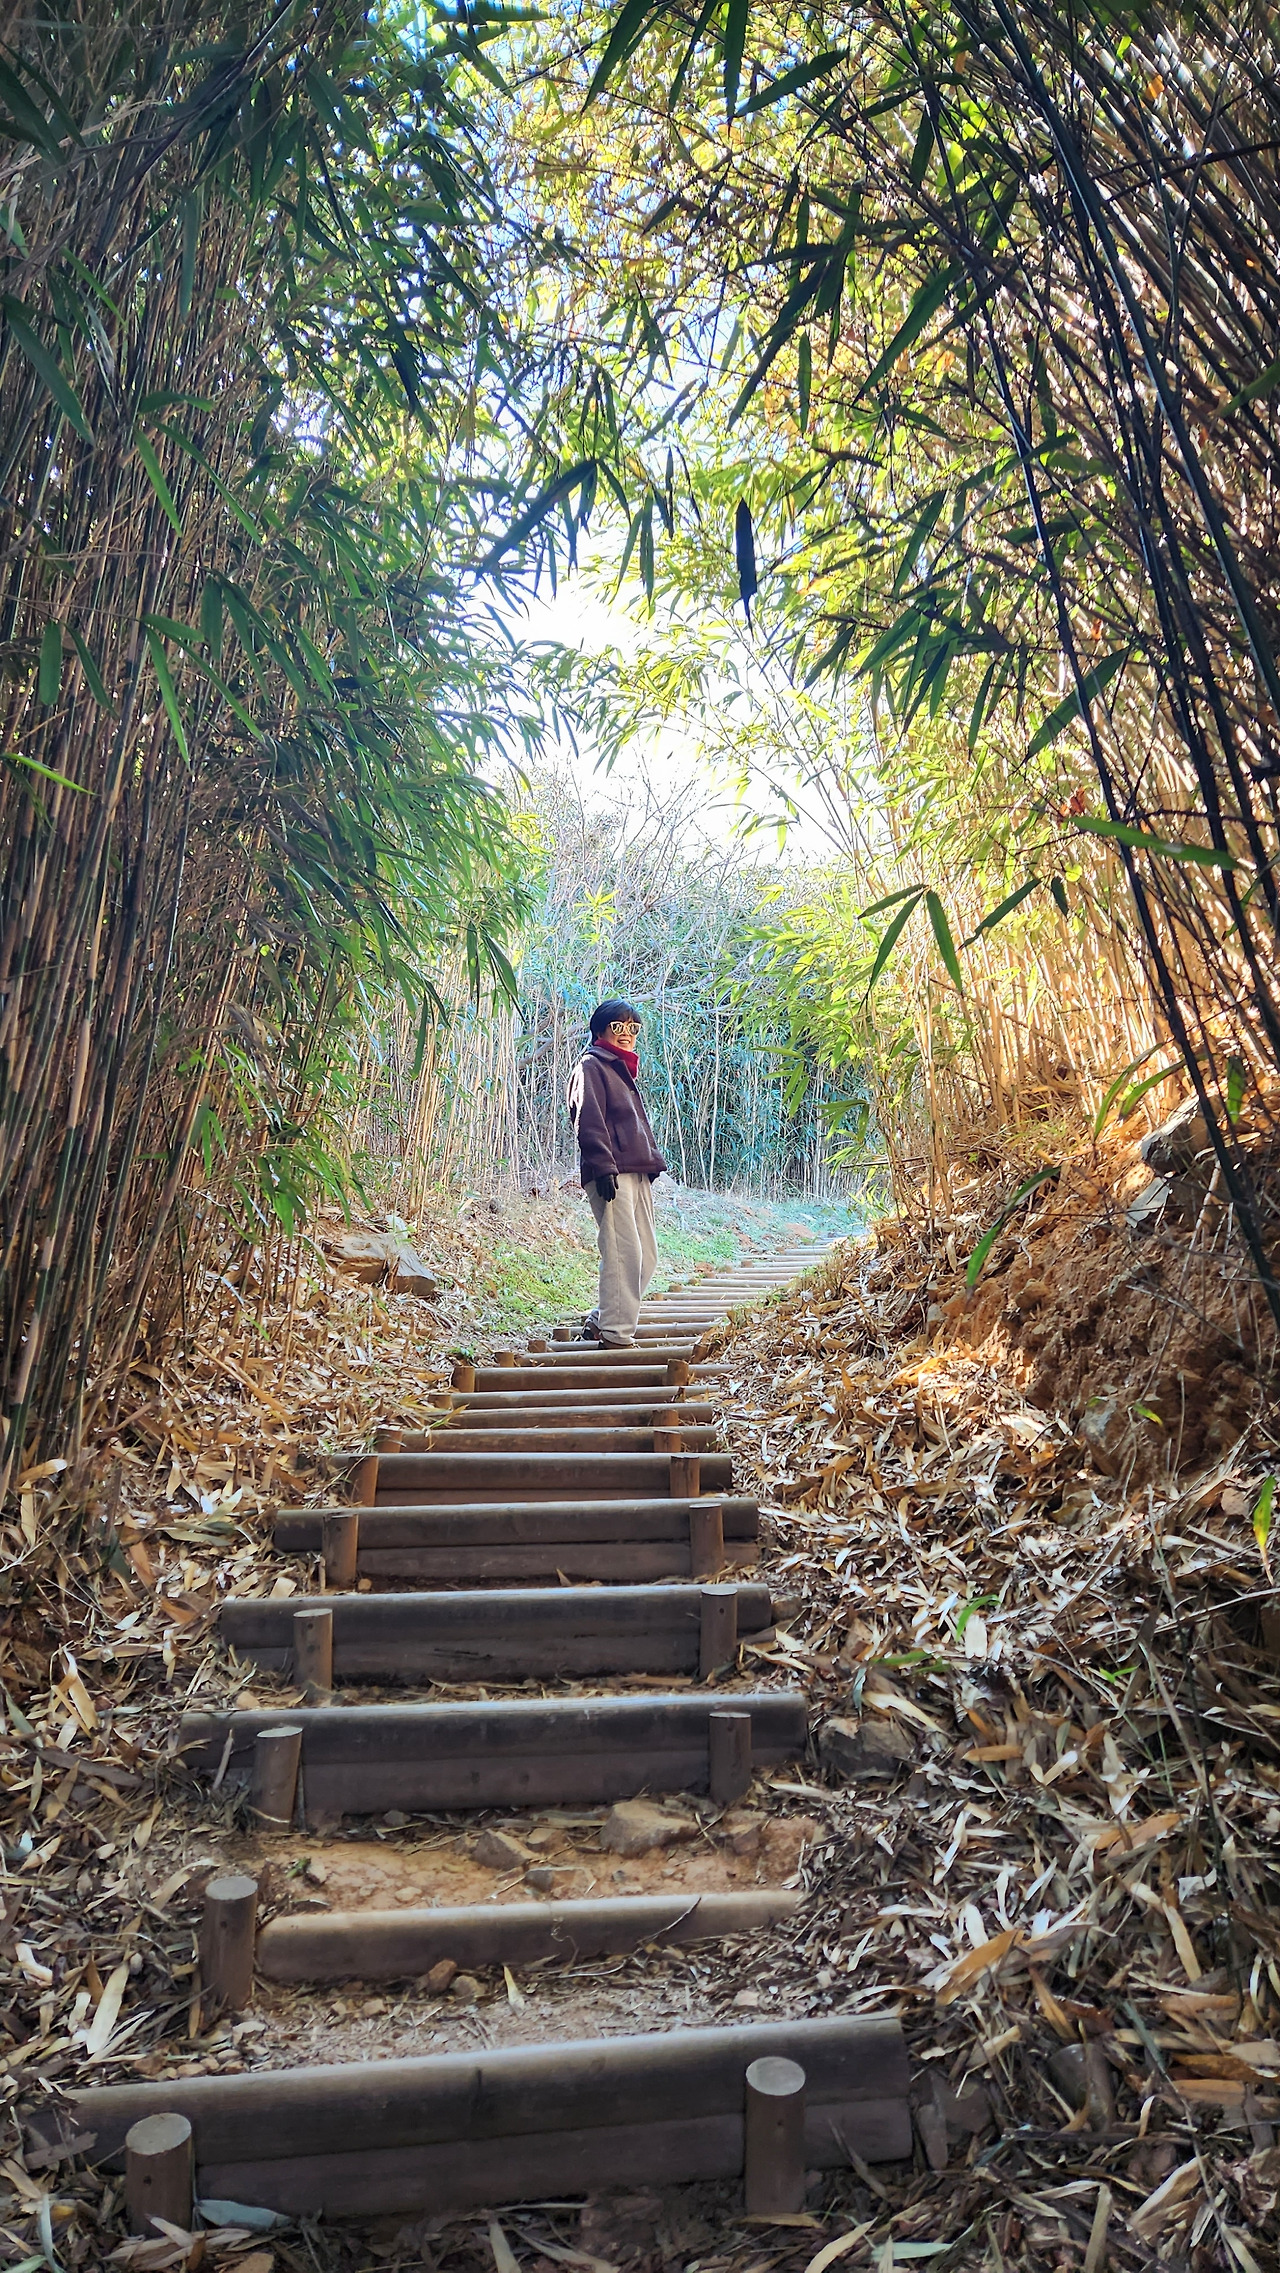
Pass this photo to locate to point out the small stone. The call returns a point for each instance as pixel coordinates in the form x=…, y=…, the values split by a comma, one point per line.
x=497, y=1850
x=543, y=1835
x=867, y=1747
x=395, y=1818
x=541, y=1878
x=440, y=1977
x=743, y=1833
x=372, y=2006
x=746, y=1997
x=1082, y=2076
x=635, y=1827
x=465, y=1989
x=315, y=1871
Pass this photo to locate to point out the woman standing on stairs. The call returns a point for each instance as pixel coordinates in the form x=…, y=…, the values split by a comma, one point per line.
x=620, y=1164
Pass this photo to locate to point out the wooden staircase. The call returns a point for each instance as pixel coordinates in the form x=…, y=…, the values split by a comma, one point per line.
x=568, y=1517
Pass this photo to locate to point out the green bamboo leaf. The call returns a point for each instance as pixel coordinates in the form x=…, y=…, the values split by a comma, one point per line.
x=1059, y=891
x=33, y=765
x=46, y=366
x=533, y=515
x=735, y=39
x=1004, y=908
x=923, y=309
x=1114, y=1089
x=890, y=900
x=791, y=82
x=628, y=30
x=973, y=1270
x=49, y=676
x=1237, y=1085
x=157, y=480
x=97, y=685
x=942, y=934
x=804, y=378
x=211, y=618
x=1202, y=855
x=1262, y=1515
x=168, y=693
x=1262, y=385
x=892, y=936
x=1079, y=699
x=1133, y=1097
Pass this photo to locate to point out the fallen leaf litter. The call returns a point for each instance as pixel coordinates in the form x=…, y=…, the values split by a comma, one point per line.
x=1046, y=1700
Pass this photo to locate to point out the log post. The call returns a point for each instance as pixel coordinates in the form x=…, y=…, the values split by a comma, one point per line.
x=504, y=1357
x=773, y=2139
x=463, y=1376
x=277, y=1754
x=706, y=1539
x=313, y=1652
x=562, y=1333
x=340, y=1546
x=718, y=1629
x=388, y=1440
x=227, y=1932
x=158, y=2173
x=364, y=1481
x=679, y=1373
x=686, y=1475
x=537, y=1343
x=729, y=1755
x=667, y=1440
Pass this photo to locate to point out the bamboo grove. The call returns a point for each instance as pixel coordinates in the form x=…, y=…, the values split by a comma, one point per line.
x=250, y=323
x=978, y=306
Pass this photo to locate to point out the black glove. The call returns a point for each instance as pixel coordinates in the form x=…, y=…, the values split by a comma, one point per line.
x=607, y=1187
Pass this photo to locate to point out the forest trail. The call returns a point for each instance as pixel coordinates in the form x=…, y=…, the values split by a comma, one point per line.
x=568, y=1528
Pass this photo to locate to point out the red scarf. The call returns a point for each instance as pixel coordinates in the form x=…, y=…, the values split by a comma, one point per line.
x=630, y=1058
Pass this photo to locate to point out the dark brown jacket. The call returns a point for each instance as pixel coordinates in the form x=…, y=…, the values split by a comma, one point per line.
x=609, y=1119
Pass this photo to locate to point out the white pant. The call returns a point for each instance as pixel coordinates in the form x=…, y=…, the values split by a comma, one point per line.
x=628, y=1256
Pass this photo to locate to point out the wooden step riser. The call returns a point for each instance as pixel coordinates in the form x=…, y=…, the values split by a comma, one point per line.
x=430, y=1479
x=581, y=1561
x=502, y=1637
x=587, y=1752
x=503, y=1437
x=630, y=1407
x=519, y=1523
x=519, y=1414
x=397, y=1945
x=464, y=2130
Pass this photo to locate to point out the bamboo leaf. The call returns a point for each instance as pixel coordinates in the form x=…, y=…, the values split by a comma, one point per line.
x=1262, y=1515
x=1201, y=855
x=49, y=677
x=973, y=1270
x=792, y=81
x=628, y=30
x=157, y=480
x=168, y=693
x=892, y=936
x=1073, y=705
x=923, y=309
x=1005, y=908
x=942, y=934
x=735, y=39
x=1237, y=1085
x=46, y=366
x=1265, y=382
x=93, y=675
x=33, y=765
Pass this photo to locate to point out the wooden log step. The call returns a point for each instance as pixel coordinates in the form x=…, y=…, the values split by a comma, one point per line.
x=521, y=2122
x=566, y=1355
x=620, y=1399
x=498, y=1637
x=506, y=1752
x=429, y=1479
x=586, y=1372
x=394, y=1945
x=523, y=1413
x=502, y=1435
x=622, y=1541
